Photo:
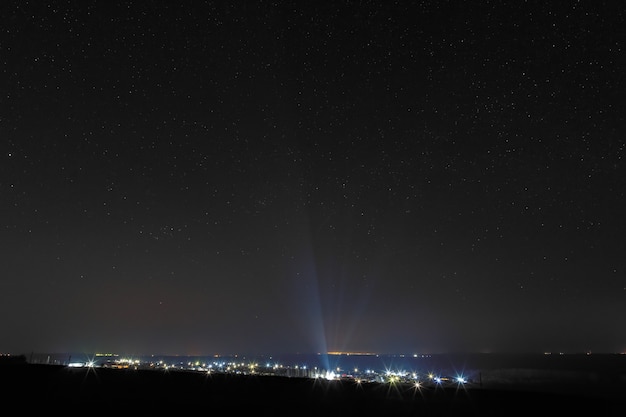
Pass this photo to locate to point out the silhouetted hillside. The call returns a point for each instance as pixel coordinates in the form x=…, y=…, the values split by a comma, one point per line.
x=89, y=390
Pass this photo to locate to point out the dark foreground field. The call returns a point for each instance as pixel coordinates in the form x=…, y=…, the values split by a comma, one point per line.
x=84, y=391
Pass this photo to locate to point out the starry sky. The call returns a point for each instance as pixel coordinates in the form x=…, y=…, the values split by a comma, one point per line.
x=204, y=177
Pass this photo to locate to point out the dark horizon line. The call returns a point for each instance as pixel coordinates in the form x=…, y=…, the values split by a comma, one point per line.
x=330, y=353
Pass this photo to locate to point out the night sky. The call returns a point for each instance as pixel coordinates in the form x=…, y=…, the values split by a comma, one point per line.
x=266, y=177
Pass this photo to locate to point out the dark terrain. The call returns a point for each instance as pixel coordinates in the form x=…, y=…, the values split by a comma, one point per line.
x=53, y=388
